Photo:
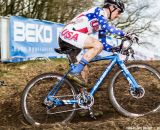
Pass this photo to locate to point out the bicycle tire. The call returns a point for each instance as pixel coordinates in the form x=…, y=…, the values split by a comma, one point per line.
x=129, y=107
x=36, y=94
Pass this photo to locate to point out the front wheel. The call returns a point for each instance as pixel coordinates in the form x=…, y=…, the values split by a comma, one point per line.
x=123, y=100
x=35, y=93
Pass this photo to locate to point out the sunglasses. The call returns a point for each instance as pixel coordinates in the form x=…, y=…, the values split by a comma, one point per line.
x=119, y=11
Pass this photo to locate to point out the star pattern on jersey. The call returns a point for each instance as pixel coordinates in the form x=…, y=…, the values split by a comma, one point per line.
x=102, y=39
x=105, y=27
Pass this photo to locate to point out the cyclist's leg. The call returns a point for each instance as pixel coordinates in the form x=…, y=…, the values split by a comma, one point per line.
x=85, y=74
x=82, y=41
x=94, y=47
x=85, y=71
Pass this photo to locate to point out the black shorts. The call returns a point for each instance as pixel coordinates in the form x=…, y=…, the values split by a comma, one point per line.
x=66, y=46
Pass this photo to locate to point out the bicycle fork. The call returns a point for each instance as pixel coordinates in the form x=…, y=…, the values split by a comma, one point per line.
x=136, y=90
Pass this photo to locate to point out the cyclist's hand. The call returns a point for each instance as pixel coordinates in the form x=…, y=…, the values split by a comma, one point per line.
x=132, y=37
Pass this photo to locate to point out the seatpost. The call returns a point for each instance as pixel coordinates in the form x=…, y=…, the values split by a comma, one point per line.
x=69, y=58
x=71, y=64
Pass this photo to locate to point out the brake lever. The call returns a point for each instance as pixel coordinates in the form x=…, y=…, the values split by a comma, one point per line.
x=132, y=52
x=133, y=56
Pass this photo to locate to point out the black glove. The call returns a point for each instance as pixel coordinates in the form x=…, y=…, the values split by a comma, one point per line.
x=132, y=37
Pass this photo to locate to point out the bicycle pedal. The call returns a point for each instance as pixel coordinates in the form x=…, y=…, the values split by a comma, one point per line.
x=93, y=117
x=92, y=114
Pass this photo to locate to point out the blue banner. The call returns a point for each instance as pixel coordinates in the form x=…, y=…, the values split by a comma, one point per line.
x=30, y=38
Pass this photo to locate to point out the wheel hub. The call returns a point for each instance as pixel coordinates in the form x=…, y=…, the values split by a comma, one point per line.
x=48, y=103
x=138, y=92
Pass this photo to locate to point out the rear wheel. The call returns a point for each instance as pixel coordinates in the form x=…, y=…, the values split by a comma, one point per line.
x=129, y=103
x=32, y=103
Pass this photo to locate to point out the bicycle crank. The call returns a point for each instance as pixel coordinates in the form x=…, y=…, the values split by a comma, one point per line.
x=85, y=100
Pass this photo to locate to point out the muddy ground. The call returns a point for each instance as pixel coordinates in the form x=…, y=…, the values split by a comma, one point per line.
x=14, y=77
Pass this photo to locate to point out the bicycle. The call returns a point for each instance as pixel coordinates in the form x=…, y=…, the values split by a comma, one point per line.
x=52, y=97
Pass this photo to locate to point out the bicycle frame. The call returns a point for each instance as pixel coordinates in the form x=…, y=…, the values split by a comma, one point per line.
x=115, y=59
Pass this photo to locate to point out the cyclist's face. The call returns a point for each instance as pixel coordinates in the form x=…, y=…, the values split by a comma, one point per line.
x=115, y=14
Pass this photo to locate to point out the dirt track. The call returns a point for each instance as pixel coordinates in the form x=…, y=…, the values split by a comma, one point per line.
x=15, y=77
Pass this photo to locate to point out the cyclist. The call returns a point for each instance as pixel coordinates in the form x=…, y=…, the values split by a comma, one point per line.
x=76, y=34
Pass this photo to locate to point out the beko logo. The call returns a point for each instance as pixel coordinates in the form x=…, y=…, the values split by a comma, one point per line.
x=30, y=32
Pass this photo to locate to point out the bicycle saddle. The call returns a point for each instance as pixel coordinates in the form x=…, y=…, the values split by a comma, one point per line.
x=60, y=51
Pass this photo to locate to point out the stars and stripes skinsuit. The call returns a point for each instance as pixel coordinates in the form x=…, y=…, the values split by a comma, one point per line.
x=89, y=22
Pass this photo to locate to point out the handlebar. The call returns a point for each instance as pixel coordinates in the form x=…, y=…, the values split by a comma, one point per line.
x=128, y=51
